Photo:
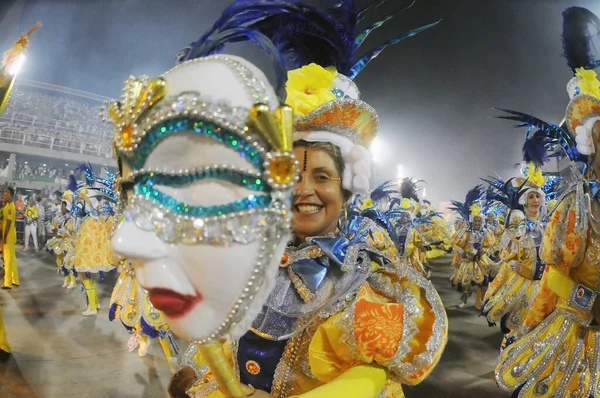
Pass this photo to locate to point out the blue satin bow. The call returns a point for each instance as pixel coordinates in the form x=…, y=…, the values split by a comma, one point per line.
x=312, y=271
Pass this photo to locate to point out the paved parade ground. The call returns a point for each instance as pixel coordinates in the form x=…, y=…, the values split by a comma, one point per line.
x=59, y=353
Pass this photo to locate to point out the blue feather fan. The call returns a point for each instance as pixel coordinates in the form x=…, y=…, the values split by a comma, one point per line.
x=295, y=34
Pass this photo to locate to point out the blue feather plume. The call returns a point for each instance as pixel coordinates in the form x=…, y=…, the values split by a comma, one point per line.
x=409, y=189
x=384, y=191
x=295, y=34
x=72, y=186
x=535, y=149
x=88, y=171
x=463, y=209
x=554, y=133
x=505, y=192
x=580, y=27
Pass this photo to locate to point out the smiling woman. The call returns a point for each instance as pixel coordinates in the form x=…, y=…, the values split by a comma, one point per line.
x=318, y=194
x=339, y=274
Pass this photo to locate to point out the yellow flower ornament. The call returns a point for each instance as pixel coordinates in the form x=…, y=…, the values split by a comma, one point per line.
x=309, y=87
x=588, y=82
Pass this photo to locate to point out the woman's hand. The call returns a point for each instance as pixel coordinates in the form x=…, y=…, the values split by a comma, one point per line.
x=518, y=266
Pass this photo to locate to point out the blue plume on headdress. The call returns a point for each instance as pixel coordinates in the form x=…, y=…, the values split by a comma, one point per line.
x=295, y=34
x=535, y=148
x=409, y=189
x=72, y=186
x=464, y=209
x=580, y=26
x=505, y=192
x=554, y=133
x=88, y=171
x=384, y=191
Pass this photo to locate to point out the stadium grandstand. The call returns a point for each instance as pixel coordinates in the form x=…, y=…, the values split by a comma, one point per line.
x=46, y=130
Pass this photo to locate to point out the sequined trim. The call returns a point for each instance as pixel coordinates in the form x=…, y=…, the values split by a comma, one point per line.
x=531, y=341
x=436, y=343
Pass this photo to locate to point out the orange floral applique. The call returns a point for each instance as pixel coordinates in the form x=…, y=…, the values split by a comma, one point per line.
x=377, y=327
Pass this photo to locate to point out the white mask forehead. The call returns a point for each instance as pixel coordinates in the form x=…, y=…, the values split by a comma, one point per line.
x=231, y=86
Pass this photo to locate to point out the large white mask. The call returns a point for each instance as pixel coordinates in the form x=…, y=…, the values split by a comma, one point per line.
x=208, y=220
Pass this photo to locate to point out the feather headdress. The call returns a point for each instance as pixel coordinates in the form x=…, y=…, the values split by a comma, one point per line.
x=507, y=193
x=295, y=34
x=580, y=26
x=465, y=208
x=537, y=146
x=315, y=56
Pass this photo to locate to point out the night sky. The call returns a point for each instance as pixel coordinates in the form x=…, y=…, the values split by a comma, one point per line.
x=434, y=92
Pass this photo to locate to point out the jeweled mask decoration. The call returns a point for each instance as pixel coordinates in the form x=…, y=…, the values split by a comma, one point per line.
x=207, y=153
x=517, y=226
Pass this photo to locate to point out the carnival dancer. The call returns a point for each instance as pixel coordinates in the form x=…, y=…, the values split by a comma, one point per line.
x=437, y=233
x=358, y=284
x=130, y=304
x=9, y=240
x=63, y=242
x=511, y=294
x=93, y=253
x=555, y=352
x=31, y=220
x=473, y=241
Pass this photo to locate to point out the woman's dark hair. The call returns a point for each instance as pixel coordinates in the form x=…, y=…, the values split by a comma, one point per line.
x=333, y=151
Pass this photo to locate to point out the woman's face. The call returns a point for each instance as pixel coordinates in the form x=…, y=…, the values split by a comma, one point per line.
x=318, y=195
x=534, y=202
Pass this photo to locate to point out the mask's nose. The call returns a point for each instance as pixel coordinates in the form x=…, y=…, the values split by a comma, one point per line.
x=131, y=242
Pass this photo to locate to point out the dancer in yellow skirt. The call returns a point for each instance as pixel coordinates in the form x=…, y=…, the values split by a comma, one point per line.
x=130, y=304
x=64, y=242
x=555, y=353
x=472, y=241
x=511, y=293
x=93, y=252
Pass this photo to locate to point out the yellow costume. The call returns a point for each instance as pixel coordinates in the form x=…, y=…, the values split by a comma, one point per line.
x=375, y=342
x=438, y=234
x=558, y=355
x=61, y=245
x=11, y=271
x=510, y=294
x=130, y=304
x=4, y=346
x=473, y=267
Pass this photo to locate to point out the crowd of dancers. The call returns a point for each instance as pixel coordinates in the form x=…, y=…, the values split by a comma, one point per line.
x=327, y=293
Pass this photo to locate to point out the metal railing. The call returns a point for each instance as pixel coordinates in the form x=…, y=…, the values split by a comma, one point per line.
x=75, y=131
x=11, y=136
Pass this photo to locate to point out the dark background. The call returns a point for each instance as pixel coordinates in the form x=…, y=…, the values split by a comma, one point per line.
x=434, y=92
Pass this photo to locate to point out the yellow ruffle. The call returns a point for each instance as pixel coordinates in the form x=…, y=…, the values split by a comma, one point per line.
x=93, y=251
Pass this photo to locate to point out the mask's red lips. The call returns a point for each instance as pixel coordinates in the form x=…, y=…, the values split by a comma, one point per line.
x=173, y=304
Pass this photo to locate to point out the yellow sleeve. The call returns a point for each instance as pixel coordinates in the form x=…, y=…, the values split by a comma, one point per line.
x=562, y=248
x=528, y=262
x=563, y=245
x=543, y=304
x=489, y=239
x=412, y=240
x=397, y=322
x=361, y=381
